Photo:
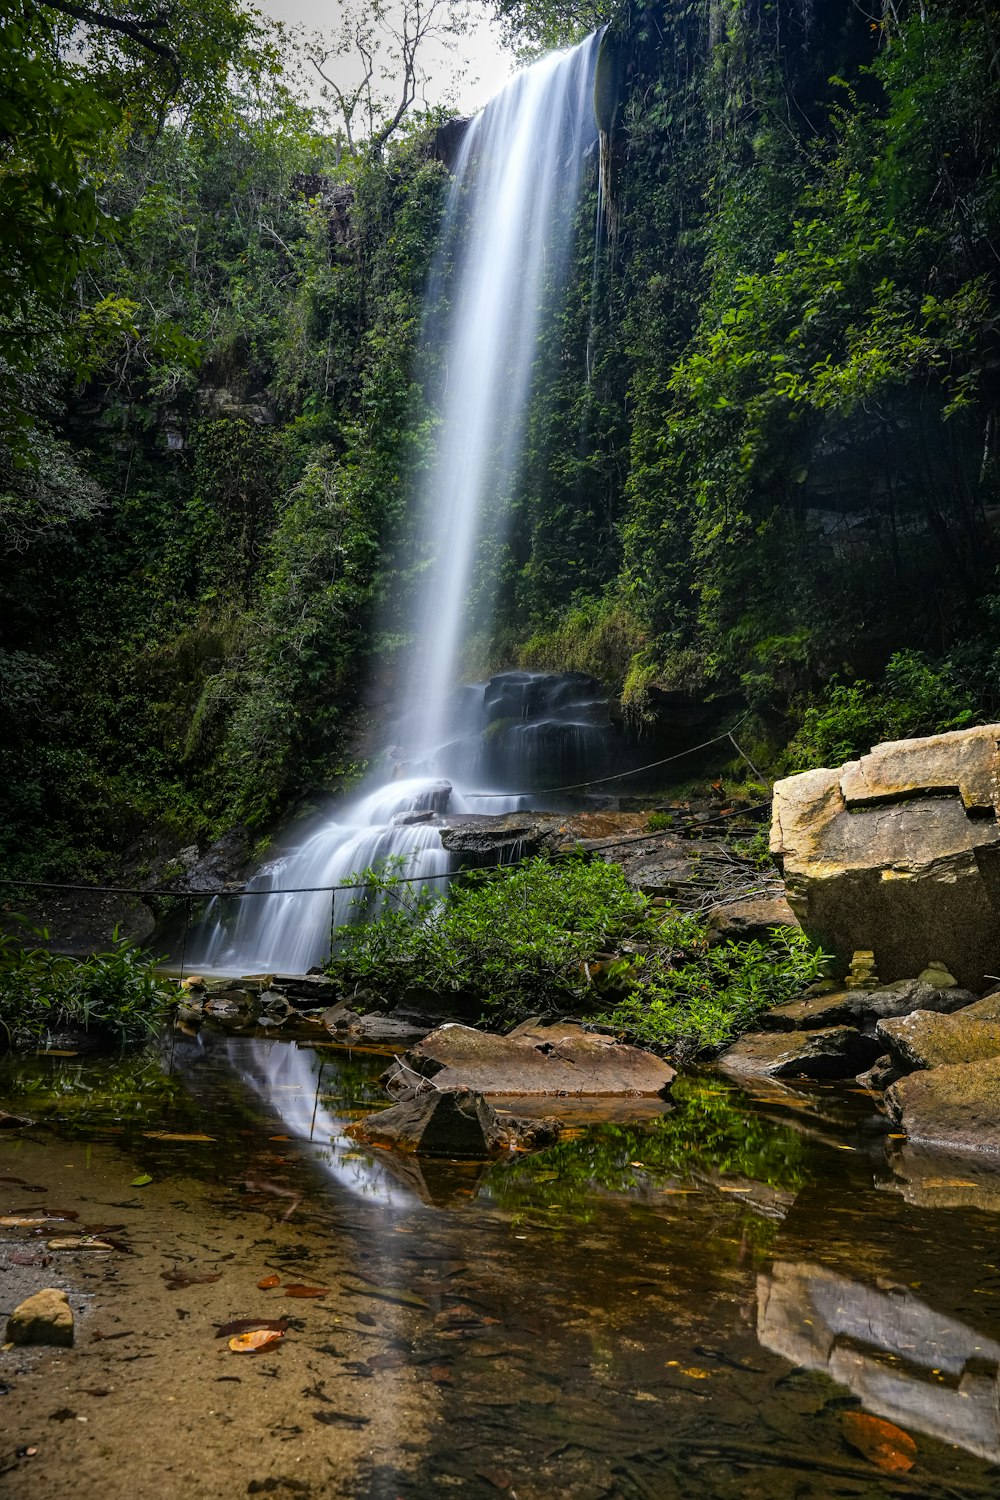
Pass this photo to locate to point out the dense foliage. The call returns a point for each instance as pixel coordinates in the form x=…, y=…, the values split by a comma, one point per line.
x=116, y=997
x=548, y=938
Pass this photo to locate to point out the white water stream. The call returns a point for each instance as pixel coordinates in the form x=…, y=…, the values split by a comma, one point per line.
x=503, y=251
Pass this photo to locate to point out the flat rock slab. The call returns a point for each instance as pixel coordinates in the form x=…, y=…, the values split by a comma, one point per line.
x=834, y=1052
x=559, y=1059
x=45, y=1318
x=926, y=1040
x=954, y=1105
x=863, y=1008
x=747, y=921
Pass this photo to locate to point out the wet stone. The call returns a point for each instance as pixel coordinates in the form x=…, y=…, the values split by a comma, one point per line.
x=833, y=1052
x=45, y=1318
x=925, y=1040
x=955, y=1104
x=863, y=1008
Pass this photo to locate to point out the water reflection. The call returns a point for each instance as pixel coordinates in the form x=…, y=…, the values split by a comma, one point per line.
x=903, y=1360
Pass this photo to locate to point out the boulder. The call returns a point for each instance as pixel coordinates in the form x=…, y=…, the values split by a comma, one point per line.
x=534, y=1059
x=927, y=1040
x=862, y=1008
x=956, y=1105
x=899, y=853
x=45, y=1318
x=833, y=1052
x=883, y=1071
x=457, y=1123
x=745, y=921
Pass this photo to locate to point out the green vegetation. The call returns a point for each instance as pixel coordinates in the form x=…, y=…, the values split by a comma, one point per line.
x=116, y=996
x=569, y=936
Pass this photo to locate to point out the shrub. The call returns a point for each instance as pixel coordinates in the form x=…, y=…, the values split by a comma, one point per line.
x=117, y=995
x=536, y=938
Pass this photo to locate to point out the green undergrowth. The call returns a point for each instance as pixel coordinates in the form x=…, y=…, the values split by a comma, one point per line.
x=116, y=996
x=568, y=937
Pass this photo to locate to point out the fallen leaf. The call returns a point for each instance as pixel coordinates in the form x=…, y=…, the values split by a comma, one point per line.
x=172, y=1135
x=254, y=1340
x=694, y=1372
x=296, y=1289
x=886, y=1446
x=267, y=1282
x=249, y=1325
x=143, y=1181
x=440, y=1374
x=332, y=1418
x=26, y=1221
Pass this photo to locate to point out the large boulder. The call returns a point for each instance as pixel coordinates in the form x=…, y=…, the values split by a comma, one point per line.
x=833, y=1052
x=534, y=1059
x=957, y=1104
x=899, y=853
x=456, y=1123
x=926, y=1040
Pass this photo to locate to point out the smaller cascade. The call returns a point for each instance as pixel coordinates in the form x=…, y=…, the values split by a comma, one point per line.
x=511, y=742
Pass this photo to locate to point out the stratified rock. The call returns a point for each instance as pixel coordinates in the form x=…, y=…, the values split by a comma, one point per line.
x=953, y=1105
x=305, y=991
x=835, y=1052
x=925, y=1040
x=557, y=1059
x=862, y=1007
x=899, y=853
x=45, y=1318
x=457, y=1123
x=745, y=921
x=344, y=1022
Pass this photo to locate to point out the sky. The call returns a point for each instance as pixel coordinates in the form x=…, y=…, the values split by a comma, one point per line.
x=478, y=54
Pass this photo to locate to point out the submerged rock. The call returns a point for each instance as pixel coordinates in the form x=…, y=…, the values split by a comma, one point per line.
x=956, y=1104
x=925, y=1040
x=833, y=1052
x=862, y=1008
x=898, y=853
x=45, y=1318
x=563, y=1058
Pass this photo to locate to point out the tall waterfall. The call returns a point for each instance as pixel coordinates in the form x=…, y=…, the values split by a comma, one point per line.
x=504, y=246
x=506, y=238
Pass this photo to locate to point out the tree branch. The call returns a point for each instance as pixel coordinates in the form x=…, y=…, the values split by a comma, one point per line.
x=134, y=30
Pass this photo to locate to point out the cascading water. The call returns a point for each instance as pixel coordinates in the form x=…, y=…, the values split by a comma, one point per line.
x=503, y=251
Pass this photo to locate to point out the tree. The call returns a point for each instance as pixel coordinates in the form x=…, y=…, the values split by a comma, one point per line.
x=375, y=68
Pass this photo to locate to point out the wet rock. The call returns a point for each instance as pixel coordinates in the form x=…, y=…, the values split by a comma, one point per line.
x=494, y=839
x=45, y=1318
x=862, y=1008
x=457, y=1123
x=344, y=1022
x=899, y=853
x=883, y=1071
x=13, y=1122
x=833, y=1052
x=926, y=1040
x=747, y=921
x=227, y=1003
x=956, y=1104
x=305, y=991
x=533, y=1059
x=220, y=868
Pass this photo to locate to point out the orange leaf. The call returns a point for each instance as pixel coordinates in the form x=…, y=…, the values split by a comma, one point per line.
x=297, y=1290
x=267, y=1282
x=255, y=1340
x=886, y=1446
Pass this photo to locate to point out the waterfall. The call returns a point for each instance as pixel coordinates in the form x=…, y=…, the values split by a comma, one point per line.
x=503, y=251
x=505, y=243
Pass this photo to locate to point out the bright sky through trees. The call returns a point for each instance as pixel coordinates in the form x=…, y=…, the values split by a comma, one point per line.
x=468, y=75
